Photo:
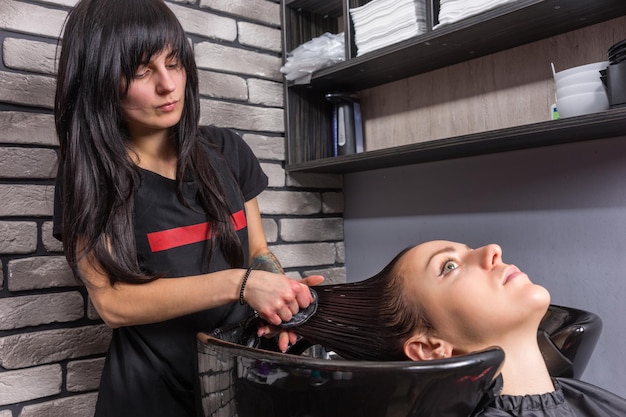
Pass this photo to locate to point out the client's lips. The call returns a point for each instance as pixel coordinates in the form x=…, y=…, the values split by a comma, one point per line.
x=510, y=273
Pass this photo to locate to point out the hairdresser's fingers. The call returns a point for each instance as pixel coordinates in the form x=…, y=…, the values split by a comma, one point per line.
x=313, y=280
x=298, y=296
x=294, y=306
x=283, y=341
x=303, y=299
x=277, y=315
x=302, y=292
x=293, y=338
x=266, y=331
x=271, y=318
x=285, y=313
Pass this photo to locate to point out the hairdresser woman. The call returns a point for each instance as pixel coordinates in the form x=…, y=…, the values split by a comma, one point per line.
x=158, y=217
x=442, y=299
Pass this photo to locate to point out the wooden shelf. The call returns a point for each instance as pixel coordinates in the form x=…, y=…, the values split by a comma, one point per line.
x=308, y=116
x=502, y=28
x=611, y=123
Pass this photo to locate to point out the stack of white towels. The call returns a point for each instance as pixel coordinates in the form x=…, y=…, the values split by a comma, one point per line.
x=384, y=22
x=453, y=10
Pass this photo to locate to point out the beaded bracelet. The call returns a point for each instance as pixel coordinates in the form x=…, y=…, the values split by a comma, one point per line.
x=243, y=286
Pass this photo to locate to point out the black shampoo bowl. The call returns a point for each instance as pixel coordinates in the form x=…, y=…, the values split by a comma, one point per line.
x=567, y=337
x=242, y=381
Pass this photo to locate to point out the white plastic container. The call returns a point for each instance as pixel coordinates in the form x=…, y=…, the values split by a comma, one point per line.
x=579, y=88
x=597, y=66
x=588, y=76
x=581, y=104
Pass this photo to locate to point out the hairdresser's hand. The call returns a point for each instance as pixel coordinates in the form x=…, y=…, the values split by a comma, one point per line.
x=286, y=338
x=276, y=298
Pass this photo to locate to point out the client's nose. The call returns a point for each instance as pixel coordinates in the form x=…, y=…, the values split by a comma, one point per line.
x=491, y=255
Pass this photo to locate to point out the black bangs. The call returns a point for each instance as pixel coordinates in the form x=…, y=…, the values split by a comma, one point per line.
x=142, y=29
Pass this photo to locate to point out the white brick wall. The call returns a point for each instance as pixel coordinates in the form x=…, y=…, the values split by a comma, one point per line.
x=31, y=56
x=22, y=17
x=233, y=59
x=52, y=342
x=23, y=128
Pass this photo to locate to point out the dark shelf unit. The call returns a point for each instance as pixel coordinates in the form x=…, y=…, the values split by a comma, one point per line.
x=603, y=125
x=308, y=114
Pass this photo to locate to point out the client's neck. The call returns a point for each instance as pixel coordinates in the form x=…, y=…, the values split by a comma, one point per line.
x=525, y=371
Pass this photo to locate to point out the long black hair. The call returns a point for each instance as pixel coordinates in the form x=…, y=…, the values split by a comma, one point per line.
x=104, y=42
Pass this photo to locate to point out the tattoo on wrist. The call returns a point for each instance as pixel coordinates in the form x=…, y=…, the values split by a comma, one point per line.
x=267, y=262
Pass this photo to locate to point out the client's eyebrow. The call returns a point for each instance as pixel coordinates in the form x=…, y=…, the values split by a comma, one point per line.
x=447, y=249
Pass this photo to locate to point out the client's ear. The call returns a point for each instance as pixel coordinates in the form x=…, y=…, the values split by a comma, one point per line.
x=423, y=347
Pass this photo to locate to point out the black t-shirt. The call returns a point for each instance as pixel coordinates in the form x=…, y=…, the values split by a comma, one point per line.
x=150, y=370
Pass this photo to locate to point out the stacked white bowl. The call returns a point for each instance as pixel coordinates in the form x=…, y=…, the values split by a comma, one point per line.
x=579, y=90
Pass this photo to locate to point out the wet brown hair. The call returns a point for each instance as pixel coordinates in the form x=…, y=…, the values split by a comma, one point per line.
x=366, y=320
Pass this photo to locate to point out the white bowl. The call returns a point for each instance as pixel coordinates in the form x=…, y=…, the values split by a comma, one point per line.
x=584, y=103
x=568, y=90
x=574, y=70
x=588, y=76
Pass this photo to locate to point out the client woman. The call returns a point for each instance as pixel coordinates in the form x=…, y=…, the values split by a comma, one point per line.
x=442, y=299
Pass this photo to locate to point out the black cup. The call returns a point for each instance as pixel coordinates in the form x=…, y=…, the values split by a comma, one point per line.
x=616, y=84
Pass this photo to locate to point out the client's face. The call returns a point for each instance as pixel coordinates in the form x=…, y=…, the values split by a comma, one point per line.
x=471, y=296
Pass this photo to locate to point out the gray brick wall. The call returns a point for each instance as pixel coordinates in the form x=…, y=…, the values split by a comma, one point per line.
x=52, y=342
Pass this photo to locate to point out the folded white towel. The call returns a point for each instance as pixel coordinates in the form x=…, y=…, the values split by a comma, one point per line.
x=386, y=40
x=454, y=10
x=378, y=8
x=384, y=22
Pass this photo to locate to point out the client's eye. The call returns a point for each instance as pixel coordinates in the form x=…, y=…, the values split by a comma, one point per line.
x=448, y=266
